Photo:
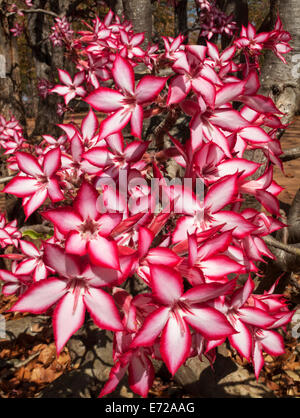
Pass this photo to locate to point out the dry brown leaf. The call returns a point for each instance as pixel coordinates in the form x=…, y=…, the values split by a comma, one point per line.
x=293, y=375
x=38, y=347
x=37, y=327
x=272, y=385
x=38, y=375
x=47, y=355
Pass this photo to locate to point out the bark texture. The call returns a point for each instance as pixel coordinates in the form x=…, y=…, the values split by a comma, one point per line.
x=180, y=15
x=46, y=60
x=239, y=9
x=282, y=81
x=139, y=13
x=117, y=7
x=10, y=94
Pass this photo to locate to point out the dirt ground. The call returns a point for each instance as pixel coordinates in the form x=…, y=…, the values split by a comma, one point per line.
x=290, y=179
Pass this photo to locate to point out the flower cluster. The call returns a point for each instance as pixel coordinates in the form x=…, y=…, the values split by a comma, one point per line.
x=213, y=21
x=117, y=217
x=253, y=43
x=61, y=32
x=43, y=87
x=11, y=135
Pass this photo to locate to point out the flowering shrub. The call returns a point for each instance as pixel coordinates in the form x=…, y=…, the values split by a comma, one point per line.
x=213, y=21
x=116, y=216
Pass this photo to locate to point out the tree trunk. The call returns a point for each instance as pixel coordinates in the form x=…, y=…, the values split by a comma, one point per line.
x=139, y=13
x=282, y=81
x=239, y=9
x=180, y=15
x=46, y=59
x=10, y=94
x=116, y=6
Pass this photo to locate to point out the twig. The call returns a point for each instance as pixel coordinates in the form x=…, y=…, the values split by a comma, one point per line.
x=285, y=247
x=6, y=179
x=39, y=228
x=17, y=365
x=157, y=136
x=46, y=12
x=290, y=154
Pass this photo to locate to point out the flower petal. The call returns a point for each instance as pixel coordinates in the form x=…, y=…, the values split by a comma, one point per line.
x=175, y=335
x=256, y=317
x=68, y=317
x=166, y=284
x=102, y=309
x=151, y=328
x=104, y=252
x=149, y=88
x=141, y=375
x=65, y=219
x=114, y=123
x=66, y=265
x=123, y=75
x=35, y=201
x=28, y=164
x=105, y=99
x=209, y=322
x=76, y=244
x=40, y=296
x=242, y=341
x=85, y=202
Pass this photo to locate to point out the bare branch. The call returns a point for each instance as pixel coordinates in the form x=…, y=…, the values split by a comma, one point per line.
x=290, y=154
x=27, y=11
x=6, y=179
x=285, y=247
x=39, y=228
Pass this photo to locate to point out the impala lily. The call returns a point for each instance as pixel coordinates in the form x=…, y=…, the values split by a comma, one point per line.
x=35, y=182
x=265, y=340
x=33, y=263
x=136, y=362
x=131, y=44
x=9, y=233
x=117, y=157
x=148, y=256
x=201, y=215
x=206, y=262
x=251, y=40
x=241, y=315
x=220, y=60
x=193, y=74
x=14, y=284
x=108, y=230
x=174, y=47
x=86, y=230
x=278, y=41
x=176, y=311
x=75, y=290
x=71, y=88
x=88, y=132
x=128, y=105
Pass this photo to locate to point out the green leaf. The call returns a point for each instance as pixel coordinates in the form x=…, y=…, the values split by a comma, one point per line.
x=35, y=235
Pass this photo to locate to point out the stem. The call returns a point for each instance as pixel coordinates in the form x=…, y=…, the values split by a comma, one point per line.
x=46, y=12
x=285, y=247
x=6, y=179
x=290, y=154
x=159, y=132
